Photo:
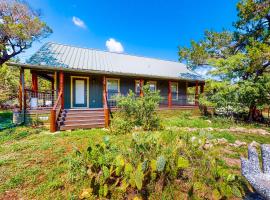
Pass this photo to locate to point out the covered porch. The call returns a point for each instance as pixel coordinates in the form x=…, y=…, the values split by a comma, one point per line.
x=98, y=92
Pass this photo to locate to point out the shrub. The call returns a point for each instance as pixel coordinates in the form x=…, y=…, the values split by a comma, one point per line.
x=137, y=111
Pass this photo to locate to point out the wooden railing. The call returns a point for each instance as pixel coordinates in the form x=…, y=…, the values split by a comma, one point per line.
x=39, y=99
x=175, y=100
x=55, y=112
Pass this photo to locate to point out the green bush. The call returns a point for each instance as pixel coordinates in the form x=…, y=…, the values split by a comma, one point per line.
x=137, y=111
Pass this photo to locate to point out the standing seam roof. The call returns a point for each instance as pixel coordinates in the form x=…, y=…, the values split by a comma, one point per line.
x=70, y=57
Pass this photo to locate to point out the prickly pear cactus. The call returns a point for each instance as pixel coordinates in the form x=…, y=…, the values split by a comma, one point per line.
x=161, y=162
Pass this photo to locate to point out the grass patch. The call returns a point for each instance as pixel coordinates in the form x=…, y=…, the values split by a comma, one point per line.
x=43, y=166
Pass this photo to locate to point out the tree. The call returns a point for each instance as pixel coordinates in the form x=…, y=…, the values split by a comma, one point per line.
x=240, y=58
x=20, y=26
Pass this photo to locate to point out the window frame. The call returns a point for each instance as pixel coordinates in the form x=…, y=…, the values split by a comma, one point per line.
x=135, y=90
x=177, y=92
x=118, y=84
x=153, y=82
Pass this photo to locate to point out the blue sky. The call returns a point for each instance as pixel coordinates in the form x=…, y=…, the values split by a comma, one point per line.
x=152, y=28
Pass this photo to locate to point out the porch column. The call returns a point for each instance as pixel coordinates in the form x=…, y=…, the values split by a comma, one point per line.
x=196, y=94
x=20, y=89
x=34, y=82
x=141, y=90
x=170, y=94
x=61, y=85
x=202, y=88
x=22, y=100
x=105, y=105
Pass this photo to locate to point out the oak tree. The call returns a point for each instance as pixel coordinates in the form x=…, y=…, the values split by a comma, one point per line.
x=20, y=26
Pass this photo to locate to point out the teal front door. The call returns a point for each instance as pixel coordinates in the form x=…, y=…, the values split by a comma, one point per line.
x=79, y=92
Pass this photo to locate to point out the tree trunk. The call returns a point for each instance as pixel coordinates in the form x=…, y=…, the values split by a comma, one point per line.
x=254, y=114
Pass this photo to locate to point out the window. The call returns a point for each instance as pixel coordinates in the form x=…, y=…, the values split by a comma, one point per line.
x=113, y=87
x=174, y=90
x=137, y=87
x=153, y=85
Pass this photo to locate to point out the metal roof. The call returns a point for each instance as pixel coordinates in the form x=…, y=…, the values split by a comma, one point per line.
x=92, y=60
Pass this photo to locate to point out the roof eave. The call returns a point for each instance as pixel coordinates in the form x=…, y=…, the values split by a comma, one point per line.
x=46, y=67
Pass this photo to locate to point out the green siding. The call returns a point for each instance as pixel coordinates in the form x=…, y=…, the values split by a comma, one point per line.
x=126, y=84
x=96, y=92
x=67, y=91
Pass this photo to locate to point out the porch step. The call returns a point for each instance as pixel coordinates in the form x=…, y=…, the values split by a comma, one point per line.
x=81, y=119
x=81, y=126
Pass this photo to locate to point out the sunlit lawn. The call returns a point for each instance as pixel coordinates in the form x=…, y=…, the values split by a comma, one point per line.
x=34, y=163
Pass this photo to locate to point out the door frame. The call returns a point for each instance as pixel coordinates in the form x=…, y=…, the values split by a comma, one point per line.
x=87, y=90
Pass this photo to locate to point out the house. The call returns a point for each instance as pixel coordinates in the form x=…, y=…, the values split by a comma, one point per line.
x=84, y=81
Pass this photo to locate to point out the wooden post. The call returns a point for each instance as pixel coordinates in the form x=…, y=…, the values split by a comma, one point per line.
x=53, y=121
x=61, y=80
x=52, y=86
x=21, y=89
x=105, y=105
x=170, y=94
x=34, y=83
x=202, y=88
x=196, y=94
x=141, y=86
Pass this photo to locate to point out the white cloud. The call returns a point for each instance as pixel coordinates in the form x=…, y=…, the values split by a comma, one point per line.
x=114, y=46
x=78, y=22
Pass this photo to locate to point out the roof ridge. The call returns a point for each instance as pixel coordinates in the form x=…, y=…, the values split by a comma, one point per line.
x=140, y=56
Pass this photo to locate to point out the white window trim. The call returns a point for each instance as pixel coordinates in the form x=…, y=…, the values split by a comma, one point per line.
x=71, y=91
x=153, y=82
x=176, y=90
x=137, y=81
x=113, y=79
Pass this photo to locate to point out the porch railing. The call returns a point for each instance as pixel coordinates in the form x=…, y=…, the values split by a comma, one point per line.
x=177, y=99
x=40, y=99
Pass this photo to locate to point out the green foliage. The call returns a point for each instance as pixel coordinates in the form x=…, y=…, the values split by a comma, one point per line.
x=155, y=159
x=240, y=58
x=137, y=111
x=182, y=163
x=20, y=26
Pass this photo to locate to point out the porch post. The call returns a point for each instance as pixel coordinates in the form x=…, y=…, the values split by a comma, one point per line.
x=21, y=89
x=202, y=88
x=34, y=82
x=105, y=105
x=196, y=94
x=141, y=85
x=170, y=94
x=22, y=99
x=52, y=87
x=61, y=80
